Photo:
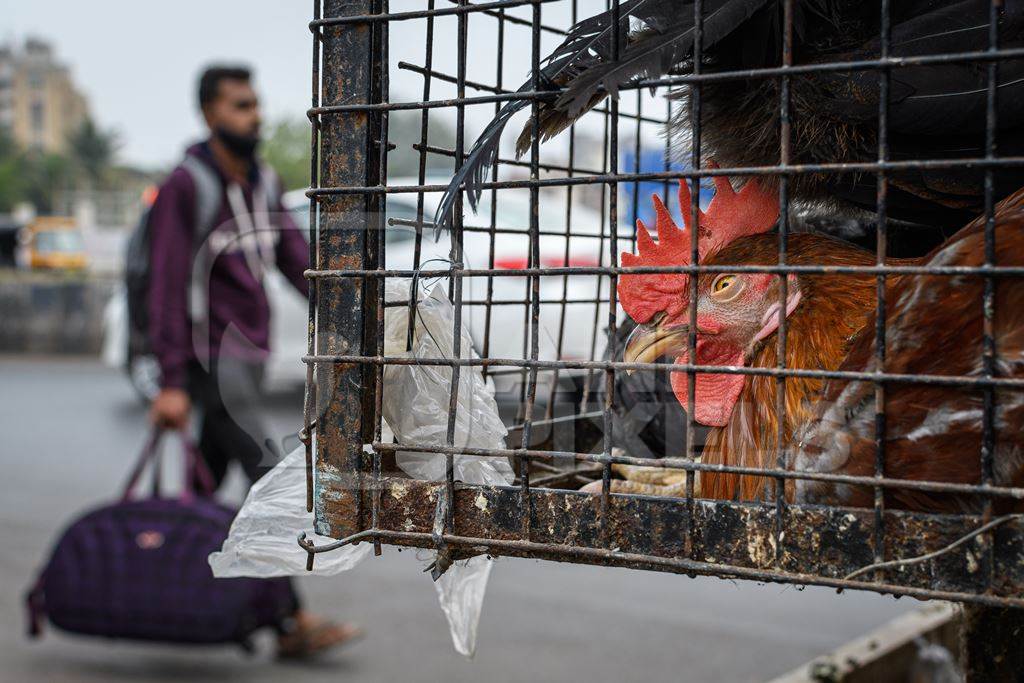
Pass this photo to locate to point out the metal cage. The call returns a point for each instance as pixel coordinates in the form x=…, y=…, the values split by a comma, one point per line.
x=354, y=490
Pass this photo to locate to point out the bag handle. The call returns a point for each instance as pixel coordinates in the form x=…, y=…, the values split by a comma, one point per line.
x=148, y=453
x=35, y=608
x=195, y=469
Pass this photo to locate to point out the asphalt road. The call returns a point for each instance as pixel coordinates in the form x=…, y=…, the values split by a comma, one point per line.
x=70, y=428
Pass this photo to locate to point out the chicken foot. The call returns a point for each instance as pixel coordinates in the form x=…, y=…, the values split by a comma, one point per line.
x=646, y=480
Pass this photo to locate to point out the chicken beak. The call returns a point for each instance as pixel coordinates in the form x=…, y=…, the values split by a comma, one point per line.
x=648, y=343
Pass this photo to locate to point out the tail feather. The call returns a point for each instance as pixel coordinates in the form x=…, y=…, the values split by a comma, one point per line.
x=654, y=36
x=656, y=50
x=587, y=43
x=481, y=158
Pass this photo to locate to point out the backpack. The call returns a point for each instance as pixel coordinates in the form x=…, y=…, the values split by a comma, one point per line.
x=141, y=363
x=137, y=569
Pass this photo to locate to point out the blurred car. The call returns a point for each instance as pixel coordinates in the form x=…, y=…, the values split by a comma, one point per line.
x=565, y=330
x=54, y=243
x=576, y=295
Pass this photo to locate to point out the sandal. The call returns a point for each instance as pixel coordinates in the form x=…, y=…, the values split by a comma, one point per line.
x=312, y=637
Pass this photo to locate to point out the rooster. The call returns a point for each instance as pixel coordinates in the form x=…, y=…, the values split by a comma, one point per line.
x=934, y=326
x=935, y=110
x=934, y=431
x=737, y=319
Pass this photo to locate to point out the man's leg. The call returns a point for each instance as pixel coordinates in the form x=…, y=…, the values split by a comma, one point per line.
x=235, y=426
x=231, y=421
x=211, y=415
x=241, y=424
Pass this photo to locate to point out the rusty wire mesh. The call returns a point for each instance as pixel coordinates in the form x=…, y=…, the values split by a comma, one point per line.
x=357, y=494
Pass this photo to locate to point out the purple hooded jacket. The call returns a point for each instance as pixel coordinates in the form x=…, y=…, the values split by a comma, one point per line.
x=236, y=298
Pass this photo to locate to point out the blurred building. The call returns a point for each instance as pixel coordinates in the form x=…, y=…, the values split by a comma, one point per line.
x=39, y=102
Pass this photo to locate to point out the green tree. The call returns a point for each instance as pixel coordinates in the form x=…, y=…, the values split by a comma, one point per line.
x=12, y=180
x=45, y=175
x=30, y=175
x=93, y=152
x=404, y=131
x=286, y=148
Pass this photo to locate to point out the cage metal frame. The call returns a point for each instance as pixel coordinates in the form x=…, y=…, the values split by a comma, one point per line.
x=354, y=500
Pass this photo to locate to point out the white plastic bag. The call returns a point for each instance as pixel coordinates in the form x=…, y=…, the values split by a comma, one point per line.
x=263, y=537
x=263, y=540
x=415, y=405
x=416, y=400
x=460, y=590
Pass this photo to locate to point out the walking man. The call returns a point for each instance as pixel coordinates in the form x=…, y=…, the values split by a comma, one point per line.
x=209, y=317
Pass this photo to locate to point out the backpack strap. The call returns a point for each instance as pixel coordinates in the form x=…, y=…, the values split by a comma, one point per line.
x=209, y=191
x=271, y=184
x=209, y=198
x=208, y=195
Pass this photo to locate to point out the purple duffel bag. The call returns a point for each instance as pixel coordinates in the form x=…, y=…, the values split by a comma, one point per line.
x=137, y=569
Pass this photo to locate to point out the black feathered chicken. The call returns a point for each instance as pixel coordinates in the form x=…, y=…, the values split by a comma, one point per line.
x=937, y=110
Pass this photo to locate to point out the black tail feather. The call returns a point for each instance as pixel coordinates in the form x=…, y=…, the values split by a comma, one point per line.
x=657, y=49
x=661, y=37
x=481, y=158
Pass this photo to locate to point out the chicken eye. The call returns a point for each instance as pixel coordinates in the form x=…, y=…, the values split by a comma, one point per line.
x=722, y=283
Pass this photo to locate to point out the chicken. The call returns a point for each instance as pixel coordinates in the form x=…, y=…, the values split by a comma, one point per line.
x=935, y=110
x=737, y=319
x=934, y=326
x=935, y=430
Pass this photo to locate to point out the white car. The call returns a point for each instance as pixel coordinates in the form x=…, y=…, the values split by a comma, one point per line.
x=510, y=295
x=508, y=331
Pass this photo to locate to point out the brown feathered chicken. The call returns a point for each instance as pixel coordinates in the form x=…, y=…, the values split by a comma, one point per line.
x=933, y=323
x=934, y=326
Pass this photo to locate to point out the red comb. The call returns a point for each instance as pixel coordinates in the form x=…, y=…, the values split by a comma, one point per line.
x=731, y=215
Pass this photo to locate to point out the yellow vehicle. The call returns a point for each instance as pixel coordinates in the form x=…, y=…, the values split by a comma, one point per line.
x=55, y=243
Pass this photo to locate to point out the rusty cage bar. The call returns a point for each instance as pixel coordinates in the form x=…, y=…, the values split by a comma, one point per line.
x=355, y=490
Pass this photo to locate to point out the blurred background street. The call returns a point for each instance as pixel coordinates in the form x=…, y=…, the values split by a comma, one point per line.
x=88, y=128
x=71, y=428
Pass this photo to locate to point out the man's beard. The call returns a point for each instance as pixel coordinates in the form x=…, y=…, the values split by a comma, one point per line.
x=243, y=146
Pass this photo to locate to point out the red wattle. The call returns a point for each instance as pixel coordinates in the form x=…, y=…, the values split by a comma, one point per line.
x=715, y=394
